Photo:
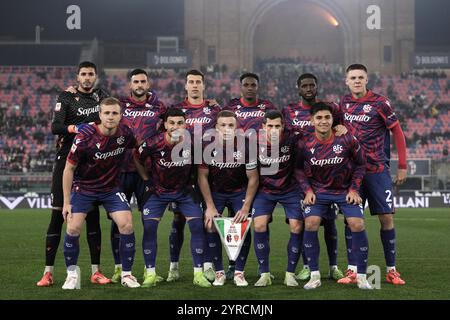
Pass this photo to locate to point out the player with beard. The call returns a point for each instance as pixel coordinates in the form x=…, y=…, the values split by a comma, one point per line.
x=72, y=112
x=142, y=112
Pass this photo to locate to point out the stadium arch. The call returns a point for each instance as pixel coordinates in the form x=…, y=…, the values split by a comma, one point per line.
x=223, y=31
x=330, y=6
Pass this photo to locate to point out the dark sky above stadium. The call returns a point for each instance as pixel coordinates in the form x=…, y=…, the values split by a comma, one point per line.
x=432, y=22
x=131, y=20
x=112, y=20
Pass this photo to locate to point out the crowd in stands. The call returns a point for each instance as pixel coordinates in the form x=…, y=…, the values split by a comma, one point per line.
x=28, y=95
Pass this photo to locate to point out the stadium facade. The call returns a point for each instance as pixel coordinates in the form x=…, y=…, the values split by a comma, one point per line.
x=377, y=33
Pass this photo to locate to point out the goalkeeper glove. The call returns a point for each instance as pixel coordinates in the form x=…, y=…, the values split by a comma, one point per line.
x=84, y=128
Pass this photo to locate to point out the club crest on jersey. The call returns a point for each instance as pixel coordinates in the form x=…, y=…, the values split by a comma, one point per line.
x=347, y=105
x=77, y=99
x=237, y=155
x=337, y=149
x=120, y=140
x=214, y=153
x=95, y=96
x=285, y=149
x=163, y=153
x=206, y=110
x=312, y=150
x=58, y=106
x=98, y=145
x=238, y=106
x=128, y=104
x=296, y=113
x=184, y=110
x=367, y=108
x=262, y=106
x=148, y=105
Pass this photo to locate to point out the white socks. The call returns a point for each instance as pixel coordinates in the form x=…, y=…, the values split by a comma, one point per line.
x=207, y=265
x=48, y=269
x=94, y=268
x=353, y=268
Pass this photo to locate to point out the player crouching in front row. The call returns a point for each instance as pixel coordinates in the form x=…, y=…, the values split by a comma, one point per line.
x=91, y=176
x=227, y=175
x=171, y=165
x=277, y=155
x=333, y=170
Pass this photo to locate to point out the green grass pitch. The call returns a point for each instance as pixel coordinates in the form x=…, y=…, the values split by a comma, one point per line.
x=423, y=258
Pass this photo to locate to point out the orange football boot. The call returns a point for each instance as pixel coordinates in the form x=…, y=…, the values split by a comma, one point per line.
x=99, y=278
x=350, y=277
x=46, y=281
x=394, y=277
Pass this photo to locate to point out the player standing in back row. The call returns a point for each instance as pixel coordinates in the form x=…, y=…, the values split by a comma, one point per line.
x=249, y=110
x=370, y=117
x=201, y=115
x=72, y=112
x=142, y=112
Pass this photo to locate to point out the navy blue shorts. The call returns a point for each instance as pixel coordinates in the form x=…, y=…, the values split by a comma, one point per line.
x=376, y=188
x=173, y=206
x=265, y=203
x=331, y=213
x=156, y=205
x=221, y=200
x=195, y=193
x=112, y=201
x=324, y=201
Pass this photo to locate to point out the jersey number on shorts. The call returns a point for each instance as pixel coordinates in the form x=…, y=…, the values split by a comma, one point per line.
x=389, y=196
x=122, y=197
